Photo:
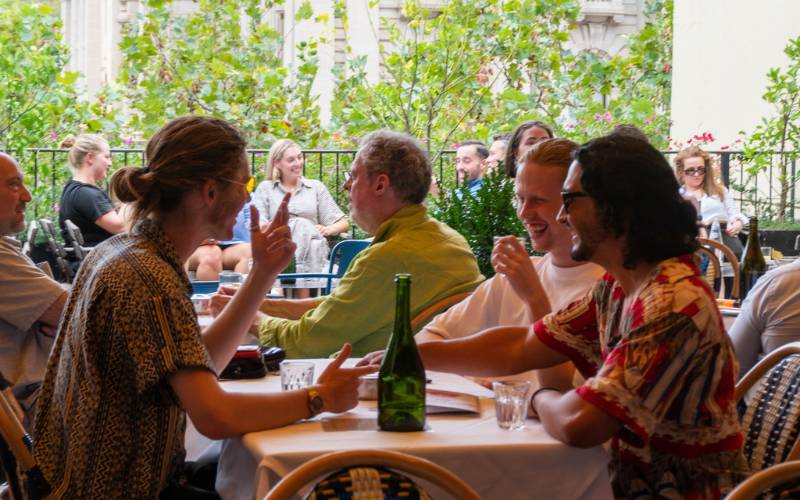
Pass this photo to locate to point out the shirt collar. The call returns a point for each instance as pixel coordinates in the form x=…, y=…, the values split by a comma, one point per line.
x=13, y=242
x=276, y=183
x=406, y=216
x=150, y=230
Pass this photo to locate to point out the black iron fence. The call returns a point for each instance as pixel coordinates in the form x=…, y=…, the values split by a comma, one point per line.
x=47, y=171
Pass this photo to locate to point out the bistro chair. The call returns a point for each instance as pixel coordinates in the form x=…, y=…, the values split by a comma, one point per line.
x=369, y=474
x=770, y=421
x=25, y=479
x=438, y=307
x=718, y=248
x=79, y=250
x=757, y=485
x=59, y=252
x=340, y=258
x=30, y=240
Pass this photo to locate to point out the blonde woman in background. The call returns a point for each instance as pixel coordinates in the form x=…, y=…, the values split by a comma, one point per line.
x=313, y=214
x=694, y=169
x=82, y=202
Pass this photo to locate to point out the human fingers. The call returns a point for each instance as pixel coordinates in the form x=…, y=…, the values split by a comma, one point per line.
x=217, y=303
x=340, y=358
x=227, y=290
x=282, y=216
x=254, y=218
x=373, y=358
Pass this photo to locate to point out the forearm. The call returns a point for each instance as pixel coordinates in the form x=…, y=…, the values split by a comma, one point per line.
x=493, y=352
x=339, y=226
x=219, y=414
x=287, y=308
x=571, y=420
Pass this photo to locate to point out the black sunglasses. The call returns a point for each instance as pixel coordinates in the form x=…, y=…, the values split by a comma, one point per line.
x=568, y=196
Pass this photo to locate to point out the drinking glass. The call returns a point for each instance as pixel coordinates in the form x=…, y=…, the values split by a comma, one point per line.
x=296, y=375
x=522, y=240
x=511, y=403
x=230, y=277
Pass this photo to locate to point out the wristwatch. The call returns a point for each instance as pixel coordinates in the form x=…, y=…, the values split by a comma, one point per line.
x=315, y=402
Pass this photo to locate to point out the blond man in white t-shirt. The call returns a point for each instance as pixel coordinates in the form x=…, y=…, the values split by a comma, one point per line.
x=503, y=300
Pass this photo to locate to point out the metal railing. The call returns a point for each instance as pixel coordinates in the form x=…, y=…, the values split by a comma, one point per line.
x=47, y=171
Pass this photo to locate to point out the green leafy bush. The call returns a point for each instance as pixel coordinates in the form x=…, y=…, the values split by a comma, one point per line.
x=480, y=217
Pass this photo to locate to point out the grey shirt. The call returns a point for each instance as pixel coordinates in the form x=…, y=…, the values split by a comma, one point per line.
x=311, y=204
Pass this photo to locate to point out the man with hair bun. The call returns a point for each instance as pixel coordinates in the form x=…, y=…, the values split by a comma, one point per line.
x=130, y=362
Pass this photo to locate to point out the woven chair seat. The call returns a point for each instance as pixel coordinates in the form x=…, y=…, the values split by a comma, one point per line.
x=367, y=483
x=771, y=419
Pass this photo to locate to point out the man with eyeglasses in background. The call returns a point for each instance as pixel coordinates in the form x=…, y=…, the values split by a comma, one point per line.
x=659, y=368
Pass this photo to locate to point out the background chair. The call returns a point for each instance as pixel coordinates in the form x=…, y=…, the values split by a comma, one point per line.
x=16, y=456
x=346, y=461
x=76, y=240
x=30, y=240
x=59, y=252
x=770, y=421
x=426, y=315
x=757, y=484
x=340, y=258
x=730, y=257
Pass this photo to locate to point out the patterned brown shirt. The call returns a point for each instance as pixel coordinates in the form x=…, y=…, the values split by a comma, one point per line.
x=108, y=423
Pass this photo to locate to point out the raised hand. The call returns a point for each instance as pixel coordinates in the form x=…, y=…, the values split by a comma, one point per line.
x=338, y=386
x=510, y=259
x=272, y=247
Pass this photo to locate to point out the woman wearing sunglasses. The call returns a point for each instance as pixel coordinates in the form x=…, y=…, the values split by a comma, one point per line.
x=694, y=170
x=313, y=214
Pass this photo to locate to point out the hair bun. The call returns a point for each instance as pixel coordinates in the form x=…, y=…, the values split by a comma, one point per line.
x=68, y=142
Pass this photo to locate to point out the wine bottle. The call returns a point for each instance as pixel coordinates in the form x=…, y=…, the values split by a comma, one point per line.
x=401, y=379
x=753, y=263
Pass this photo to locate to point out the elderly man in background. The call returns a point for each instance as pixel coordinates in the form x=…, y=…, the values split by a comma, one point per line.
x=388, y=182
x=30, y=301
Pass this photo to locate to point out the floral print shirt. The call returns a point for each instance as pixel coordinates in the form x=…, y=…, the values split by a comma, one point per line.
x=663, y=366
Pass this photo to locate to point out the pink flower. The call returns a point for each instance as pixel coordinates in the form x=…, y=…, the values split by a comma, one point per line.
x=689, y=141
x=128, y=141
x=570, y=125
x=723, y=148
x=53, y=135
x=424, y=140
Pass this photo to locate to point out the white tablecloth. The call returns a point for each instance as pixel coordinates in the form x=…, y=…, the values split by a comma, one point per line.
x=498, y=464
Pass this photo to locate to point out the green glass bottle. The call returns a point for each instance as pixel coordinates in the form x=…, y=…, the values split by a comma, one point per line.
x=753, y=264
x=291, y=268
x=401, y=380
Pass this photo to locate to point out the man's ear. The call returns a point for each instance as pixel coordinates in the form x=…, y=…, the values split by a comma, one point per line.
x=382, y=184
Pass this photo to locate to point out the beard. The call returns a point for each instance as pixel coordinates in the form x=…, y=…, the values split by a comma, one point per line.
x=588, y=239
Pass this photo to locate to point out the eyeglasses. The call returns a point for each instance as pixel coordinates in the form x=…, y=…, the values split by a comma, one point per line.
x=567, y=197
x=249, y=185
x=695, y=172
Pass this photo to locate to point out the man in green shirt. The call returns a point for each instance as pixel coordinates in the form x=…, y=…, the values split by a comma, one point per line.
x=388, y=181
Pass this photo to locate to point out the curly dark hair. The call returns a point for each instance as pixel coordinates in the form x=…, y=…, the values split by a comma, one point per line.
x=637, y=195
